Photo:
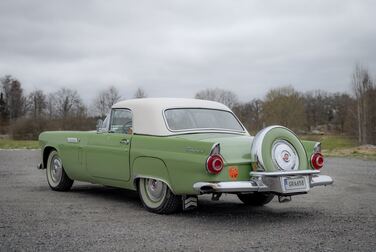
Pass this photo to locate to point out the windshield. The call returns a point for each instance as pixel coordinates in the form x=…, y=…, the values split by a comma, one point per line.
x=199, y=119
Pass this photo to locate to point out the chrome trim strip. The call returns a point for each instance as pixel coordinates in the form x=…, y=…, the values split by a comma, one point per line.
x=137, y=176
x=73, y=140
x=284, y=173
x=235, y=186
x=215, y=146
x=317, y=147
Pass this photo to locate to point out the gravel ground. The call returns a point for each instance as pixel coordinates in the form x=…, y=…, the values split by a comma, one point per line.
x=341, y=217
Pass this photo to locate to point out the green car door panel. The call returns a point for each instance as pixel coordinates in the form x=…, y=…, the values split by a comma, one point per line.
x=107, y=156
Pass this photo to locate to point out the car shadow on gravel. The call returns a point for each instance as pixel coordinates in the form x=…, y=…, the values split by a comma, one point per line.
x=105, y=192
x=207, y=209
x=228, y=209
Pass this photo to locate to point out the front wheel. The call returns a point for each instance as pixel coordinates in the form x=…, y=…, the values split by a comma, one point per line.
x=256, y=199
x=56, y=176
x=157, y=197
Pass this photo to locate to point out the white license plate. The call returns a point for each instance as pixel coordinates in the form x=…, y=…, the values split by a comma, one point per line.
x=295, y=183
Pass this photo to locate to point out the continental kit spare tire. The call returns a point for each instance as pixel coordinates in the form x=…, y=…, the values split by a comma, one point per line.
x=277, y=148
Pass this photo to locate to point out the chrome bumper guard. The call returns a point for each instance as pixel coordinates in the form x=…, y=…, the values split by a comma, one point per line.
x=267, y=182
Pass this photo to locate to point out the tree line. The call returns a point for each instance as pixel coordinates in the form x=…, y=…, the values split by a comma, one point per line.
x=25, y=116
x=312, y=112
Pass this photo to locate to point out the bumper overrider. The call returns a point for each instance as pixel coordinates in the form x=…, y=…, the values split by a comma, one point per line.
x=280, y=182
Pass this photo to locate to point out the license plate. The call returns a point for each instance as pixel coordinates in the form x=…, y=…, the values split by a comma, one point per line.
x=295, y=183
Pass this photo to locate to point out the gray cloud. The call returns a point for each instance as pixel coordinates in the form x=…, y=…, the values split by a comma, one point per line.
x=175, y=48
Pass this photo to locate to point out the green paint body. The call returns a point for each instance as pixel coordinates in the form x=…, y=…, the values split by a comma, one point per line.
x=178, y=160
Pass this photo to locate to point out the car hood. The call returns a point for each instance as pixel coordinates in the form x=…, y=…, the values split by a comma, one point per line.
x=235, y=148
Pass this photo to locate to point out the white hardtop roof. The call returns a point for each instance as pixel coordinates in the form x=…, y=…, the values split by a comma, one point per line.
x=148, y=112
x=166, y=103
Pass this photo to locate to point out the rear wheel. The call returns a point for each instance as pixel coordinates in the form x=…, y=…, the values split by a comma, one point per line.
x=256, y=199
x=56, y=176
x=157, y=197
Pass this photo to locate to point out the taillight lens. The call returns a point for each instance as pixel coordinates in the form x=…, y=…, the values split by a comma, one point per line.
x=214, y=164
x=317, y=160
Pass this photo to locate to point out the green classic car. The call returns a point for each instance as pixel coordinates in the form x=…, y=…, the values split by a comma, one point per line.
x=172, y=150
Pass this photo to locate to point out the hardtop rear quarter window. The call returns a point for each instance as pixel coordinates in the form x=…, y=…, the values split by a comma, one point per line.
x=180, y=119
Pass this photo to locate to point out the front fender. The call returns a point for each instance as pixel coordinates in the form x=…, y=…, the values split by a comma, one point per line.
x=45, y=153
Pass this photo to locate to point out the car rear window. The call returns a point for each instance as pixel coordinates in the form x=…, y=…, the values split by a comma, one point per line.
x=201, y=119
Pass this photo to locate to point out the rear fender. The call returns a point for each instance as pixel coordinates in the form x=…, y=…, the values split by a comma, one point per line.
x=311, y=147
x=150, y=167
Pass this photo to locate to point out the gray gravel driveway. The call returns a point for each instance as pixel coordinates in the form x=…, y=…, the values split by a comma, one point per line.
x=90, y=217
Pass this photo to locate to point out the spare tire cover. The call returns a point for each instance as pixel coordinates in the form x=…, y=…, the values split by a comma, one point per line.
x=278, y=148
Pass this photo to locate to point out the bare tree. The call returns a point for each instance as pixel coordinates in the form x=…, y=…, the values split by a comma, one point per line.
x=250, y=114
x=50, y=106
x=37, y=103
x=284, y=106
x=105, y=99
x=67, y=103
x=140, y=93
x=226, y=97
x=341, y=106
x=362, y=87
x=3, y=108
x=13, y=98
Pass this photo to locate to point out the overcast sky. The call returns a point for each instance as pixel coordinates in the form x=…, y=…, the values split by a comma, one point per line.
x=176, y=48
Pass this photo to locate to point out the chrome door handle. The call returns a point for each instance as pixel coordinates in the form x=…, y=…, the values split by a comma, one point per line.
x=124, y=141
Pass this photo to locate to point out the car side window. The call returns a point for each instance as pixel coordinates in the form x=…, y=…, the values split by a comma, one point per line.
x=121, y=121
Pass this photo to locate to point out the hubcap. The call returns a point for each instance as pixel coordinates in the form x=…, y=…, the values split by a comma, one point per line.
x=56, y=168
x=285, y=156
x=155, y=189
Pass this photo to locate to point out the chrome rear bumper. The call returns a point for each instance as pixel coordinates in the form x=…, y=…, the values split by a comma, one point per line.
x=267, y=182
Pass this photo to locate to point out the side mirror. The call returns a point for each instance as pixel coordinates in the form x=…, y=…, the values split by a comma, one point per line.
x=99, y=125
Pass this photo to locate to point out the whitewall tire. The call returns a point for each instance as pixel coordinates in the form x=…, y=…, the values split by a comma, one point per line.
x=56, y=177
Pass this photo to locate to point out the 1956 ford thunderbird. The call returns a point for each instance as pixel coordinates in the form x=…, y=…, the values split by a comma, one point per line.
x=172, y=150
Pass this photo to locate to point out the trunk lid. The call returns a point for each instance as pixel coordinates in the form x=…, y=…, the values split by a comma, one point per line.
x=235, y=148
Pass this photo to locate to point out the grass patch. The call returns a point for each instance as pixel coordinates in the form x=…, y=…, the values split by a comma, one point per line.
x=342, y=146
x=365, y=152
x=332, y=142
x=18, y=144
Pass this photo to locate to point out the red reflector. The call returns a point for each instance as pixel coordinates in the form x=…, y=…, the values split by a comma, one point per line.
x=317, y=160
x=214, y=164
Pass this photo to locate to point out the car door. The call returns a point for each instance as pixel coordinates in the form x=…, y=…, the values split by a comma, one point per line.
x=107, y=152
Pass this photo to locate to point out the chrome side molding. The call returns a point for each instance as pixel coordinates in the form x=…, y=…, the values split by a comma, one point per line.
x=73, y=140
x=284, y=173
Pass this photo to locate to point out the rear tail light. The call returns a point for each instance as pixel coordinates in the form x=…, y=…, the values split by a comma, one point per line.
x=214, y=164
x=317, y=160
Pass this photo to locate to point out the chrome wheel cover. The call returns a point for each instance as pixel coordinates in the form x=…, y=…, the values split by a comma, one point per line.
x=56, y=169
x=285, y=156
x=155, y=189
